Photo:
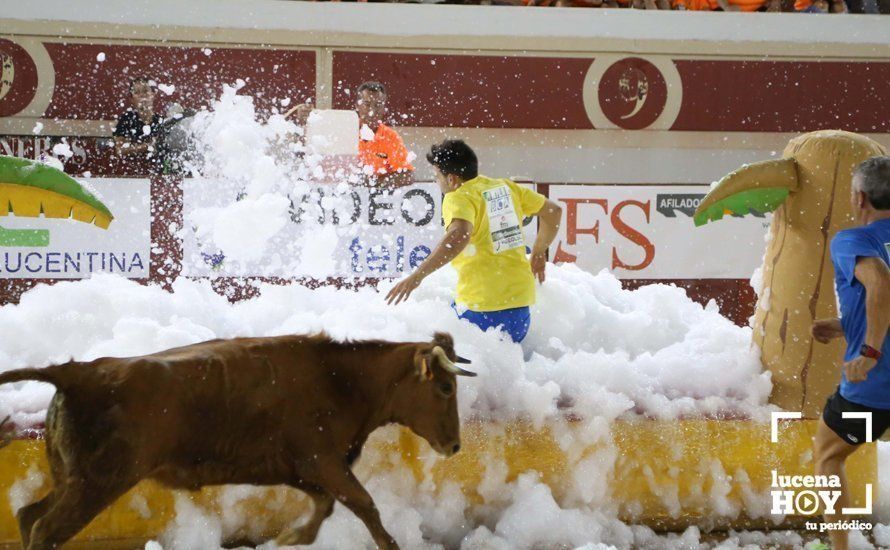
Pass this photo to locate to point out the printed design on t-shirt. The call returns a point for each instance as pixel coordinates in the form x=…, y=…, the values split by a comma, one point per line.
x=887, y=247
x=503, y=223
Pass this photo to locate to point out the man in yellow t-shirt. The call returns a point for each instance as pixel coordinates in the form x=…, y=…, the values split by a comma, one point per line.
x=483, y=241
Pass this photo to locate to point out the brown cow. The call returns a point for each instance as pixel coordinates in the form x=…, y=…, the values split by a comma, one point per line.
x=292, y=410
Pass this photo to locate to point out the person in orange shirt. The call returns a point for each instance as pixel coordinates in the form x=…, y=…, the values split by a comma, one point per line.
x=384, y=159
x=381, y=150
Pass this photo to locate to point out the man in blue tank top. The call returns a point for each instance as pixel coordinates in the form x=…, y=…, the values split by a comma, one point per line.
x=861, y=256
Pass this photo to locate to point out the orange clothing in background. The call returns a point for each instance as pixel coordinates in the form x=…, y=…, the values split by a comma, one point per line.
x=711, y=5
x=695, y=5
x=748, y=5
x=386, y=153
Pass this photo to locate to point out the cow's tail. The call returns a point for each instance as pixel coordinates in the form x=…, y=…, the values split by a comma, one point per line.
x=6, y=436
x=49, y=375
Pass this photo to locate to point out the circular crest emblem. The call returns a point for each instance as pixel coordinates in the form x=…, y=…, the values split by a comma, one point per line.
x=18, y=78
x=632, y=93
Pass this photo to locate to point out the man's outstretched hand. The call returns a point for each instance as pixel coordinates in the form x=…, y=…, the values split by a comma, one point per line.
x=857, y=370
x=539, y=265
x=402, y=290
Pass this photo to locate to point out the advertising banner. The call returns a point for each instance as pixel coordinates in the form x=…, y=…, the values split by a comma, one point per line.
x=636, y=231
x=646, y=232
x=331, y=231
x=48, y=248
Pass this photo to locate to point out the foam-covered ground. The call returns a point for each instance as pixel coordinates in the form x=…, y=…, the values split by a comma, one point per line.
x=607, y=351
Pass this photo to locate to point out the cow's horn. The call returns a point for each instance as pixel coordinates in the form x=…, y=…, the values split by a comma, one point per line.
x=463, y=360
x=448, y=365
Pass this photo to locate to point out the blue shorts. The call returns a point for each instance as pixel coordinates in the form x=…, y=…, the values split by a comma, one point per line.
x=514, y=322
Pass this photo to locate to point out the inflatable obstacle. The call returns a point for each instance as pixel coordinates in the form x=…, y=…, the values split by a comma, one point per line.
x=809, y=189
x=665, y=474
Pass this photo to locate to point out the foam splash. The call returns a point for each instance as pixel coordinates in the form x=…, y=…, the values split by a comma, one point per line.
x=253, y=166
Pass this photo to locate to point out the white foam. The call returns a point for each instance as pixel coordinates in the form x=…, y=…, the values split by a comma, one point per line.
x=23, y=491
x=62, y=150
x=237, y=161
x=193, y=528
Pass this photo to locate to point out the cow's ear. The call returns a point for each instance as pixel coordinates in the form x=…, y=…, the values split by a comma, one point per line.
x=423, y=364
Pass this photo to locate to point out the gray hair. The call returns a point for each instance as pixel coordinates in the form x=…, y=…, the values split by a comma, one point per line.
x=873, y=177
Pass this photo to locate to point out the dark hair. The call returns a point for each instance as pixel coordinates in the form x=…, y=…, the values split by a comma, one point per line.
x=372, y=86
x=454, y=156
x=874, y=181
x=140, y=80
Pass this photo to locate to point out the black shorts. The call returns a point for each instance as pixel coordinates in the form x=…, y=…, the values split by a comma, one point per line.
x=852, y=430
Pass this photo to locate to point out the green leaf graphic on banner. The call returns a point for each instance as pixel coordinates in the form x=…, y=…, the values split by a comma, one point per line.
x=30, y=189
x=24, y=237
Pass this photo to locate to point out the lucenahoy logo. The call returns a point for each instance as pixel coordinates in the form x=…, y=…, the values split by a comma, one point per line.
x=30, y=189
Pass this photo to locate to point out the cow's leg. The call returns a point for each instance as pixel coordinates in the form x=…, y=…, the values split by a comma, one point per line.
x=346, y=488
x=29, y=514
x=323, y=507
x=75, y=506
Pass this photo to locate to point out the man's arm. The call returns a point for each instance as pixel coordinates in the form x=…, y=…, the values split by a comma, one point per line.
x=300, y=113
x=123, y=144
x=550, y=218
x=456, y=238
x=124, y=147
x=874, y=275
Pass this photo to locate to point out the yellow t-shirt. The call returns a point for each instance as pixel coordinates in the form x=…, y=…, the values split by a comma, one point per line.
x=493, y=271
